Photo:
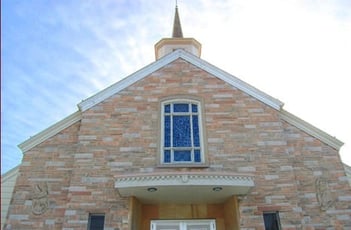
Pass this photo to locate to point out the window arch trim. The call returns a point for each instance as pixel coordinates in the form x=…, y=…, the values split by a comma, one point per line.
x=172, y=154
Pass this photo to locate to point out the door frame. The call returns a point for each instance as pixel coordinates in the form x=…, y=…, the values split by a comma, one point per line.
x=183, y=223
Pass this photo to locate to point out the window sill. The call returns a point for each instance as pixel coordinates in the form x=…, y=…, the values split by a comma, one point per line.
x=182, y=165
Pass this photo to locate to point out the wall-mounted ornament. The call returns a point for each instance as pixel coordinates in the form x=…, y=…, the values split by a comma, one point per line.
x=324, y=195
x=40, y=201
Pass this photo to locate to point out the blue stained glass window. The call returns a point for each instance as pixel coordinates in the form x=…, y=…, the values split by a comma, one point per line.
x=196, y=135
x=197, y=156
x=194, y=108
x=167, y=108
x=167, y=156
x=184, y=155
x=167, y=131
x=181, y=108
x=181, y=131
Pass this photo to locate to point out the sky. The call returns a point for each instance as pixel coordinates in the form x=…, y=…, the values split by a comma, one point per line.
x=54, y=54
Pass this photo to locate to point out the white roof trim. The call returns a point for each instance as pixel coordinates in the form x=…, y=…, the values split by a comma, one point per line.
x=131, y=79
x=310, y=129
x=234, y=81
x=124, y=83
x=9, y=174
x=49, y=132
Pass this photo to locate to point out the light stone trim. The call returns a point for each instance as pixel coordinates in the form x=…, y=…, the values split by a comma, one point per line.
x=310, y=129
x=184, y=179
x=49, y=132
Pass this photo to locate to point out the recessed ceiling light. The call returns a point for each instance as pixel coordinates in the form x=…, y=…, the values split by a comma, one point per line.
x=152, y=189
x=217, y=189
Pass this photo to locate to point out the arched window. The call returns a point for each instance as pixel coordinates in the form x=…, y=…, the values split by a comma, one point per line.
x=181, y=132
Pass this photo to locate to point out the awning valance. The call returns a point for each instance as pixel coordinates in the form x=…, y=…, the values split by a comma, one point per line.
x=183, y=187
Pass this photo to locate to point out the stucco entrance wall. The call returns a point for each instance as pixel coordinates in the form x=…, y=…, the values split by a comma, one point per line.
x=225, y=214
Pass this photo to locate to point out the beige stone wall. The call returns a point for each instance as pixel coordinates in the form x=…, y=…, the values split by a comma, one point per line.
x=348, y=172
x=288, y=182
x=121, y=136
x=49, y=166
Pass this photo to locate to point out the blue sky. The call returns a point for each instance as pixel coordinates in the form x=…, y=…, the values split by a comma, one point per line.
x=54, y=54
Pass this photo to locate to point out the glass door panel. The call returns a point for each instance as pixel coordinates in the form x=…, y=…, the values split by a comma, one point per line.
x=183, y=225
x=198, y=227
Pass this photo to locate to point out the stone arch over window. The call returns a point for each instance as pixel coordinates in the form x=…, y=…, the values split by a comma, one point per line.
x=182, y=132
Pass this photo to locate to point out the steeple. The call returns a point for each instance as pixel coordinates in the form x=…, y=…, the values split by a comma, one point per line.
x=177, y=41
x=177, y=28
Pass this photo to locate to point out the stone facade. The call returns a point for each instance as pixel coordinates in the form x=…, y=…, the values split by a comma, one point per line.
x=73, y=173
x=348, y=172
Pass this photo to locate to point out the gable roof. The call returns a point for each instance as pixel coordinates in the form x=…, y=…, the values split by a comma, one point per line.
x=9, y=174
x=192, y=59
x=50, y=131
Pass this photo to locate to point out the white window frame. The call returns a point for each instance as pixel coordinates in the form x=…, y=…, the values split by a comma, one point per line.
x=201, y=133
x=182, y=224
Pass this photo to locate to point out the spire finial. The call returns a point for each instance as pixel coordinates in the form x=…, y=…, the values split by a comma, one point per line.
x=177, y=28
x=177, y=42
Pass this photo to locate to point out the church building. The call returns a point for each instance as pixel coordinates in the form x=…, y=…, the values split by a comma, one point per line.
x=181, y=144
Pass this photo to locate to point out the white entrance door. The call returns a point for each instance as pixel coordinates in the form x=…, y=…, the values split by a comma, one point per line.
x=183, y=225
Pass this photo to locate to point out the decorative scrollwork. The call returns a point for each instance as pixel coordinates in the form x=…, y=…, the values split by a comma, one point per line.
x=40, y=201
x=324, y=195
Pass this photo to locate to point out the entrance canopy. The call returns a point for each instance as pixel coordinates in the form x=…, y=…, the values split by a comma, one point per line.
x=182, y=188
